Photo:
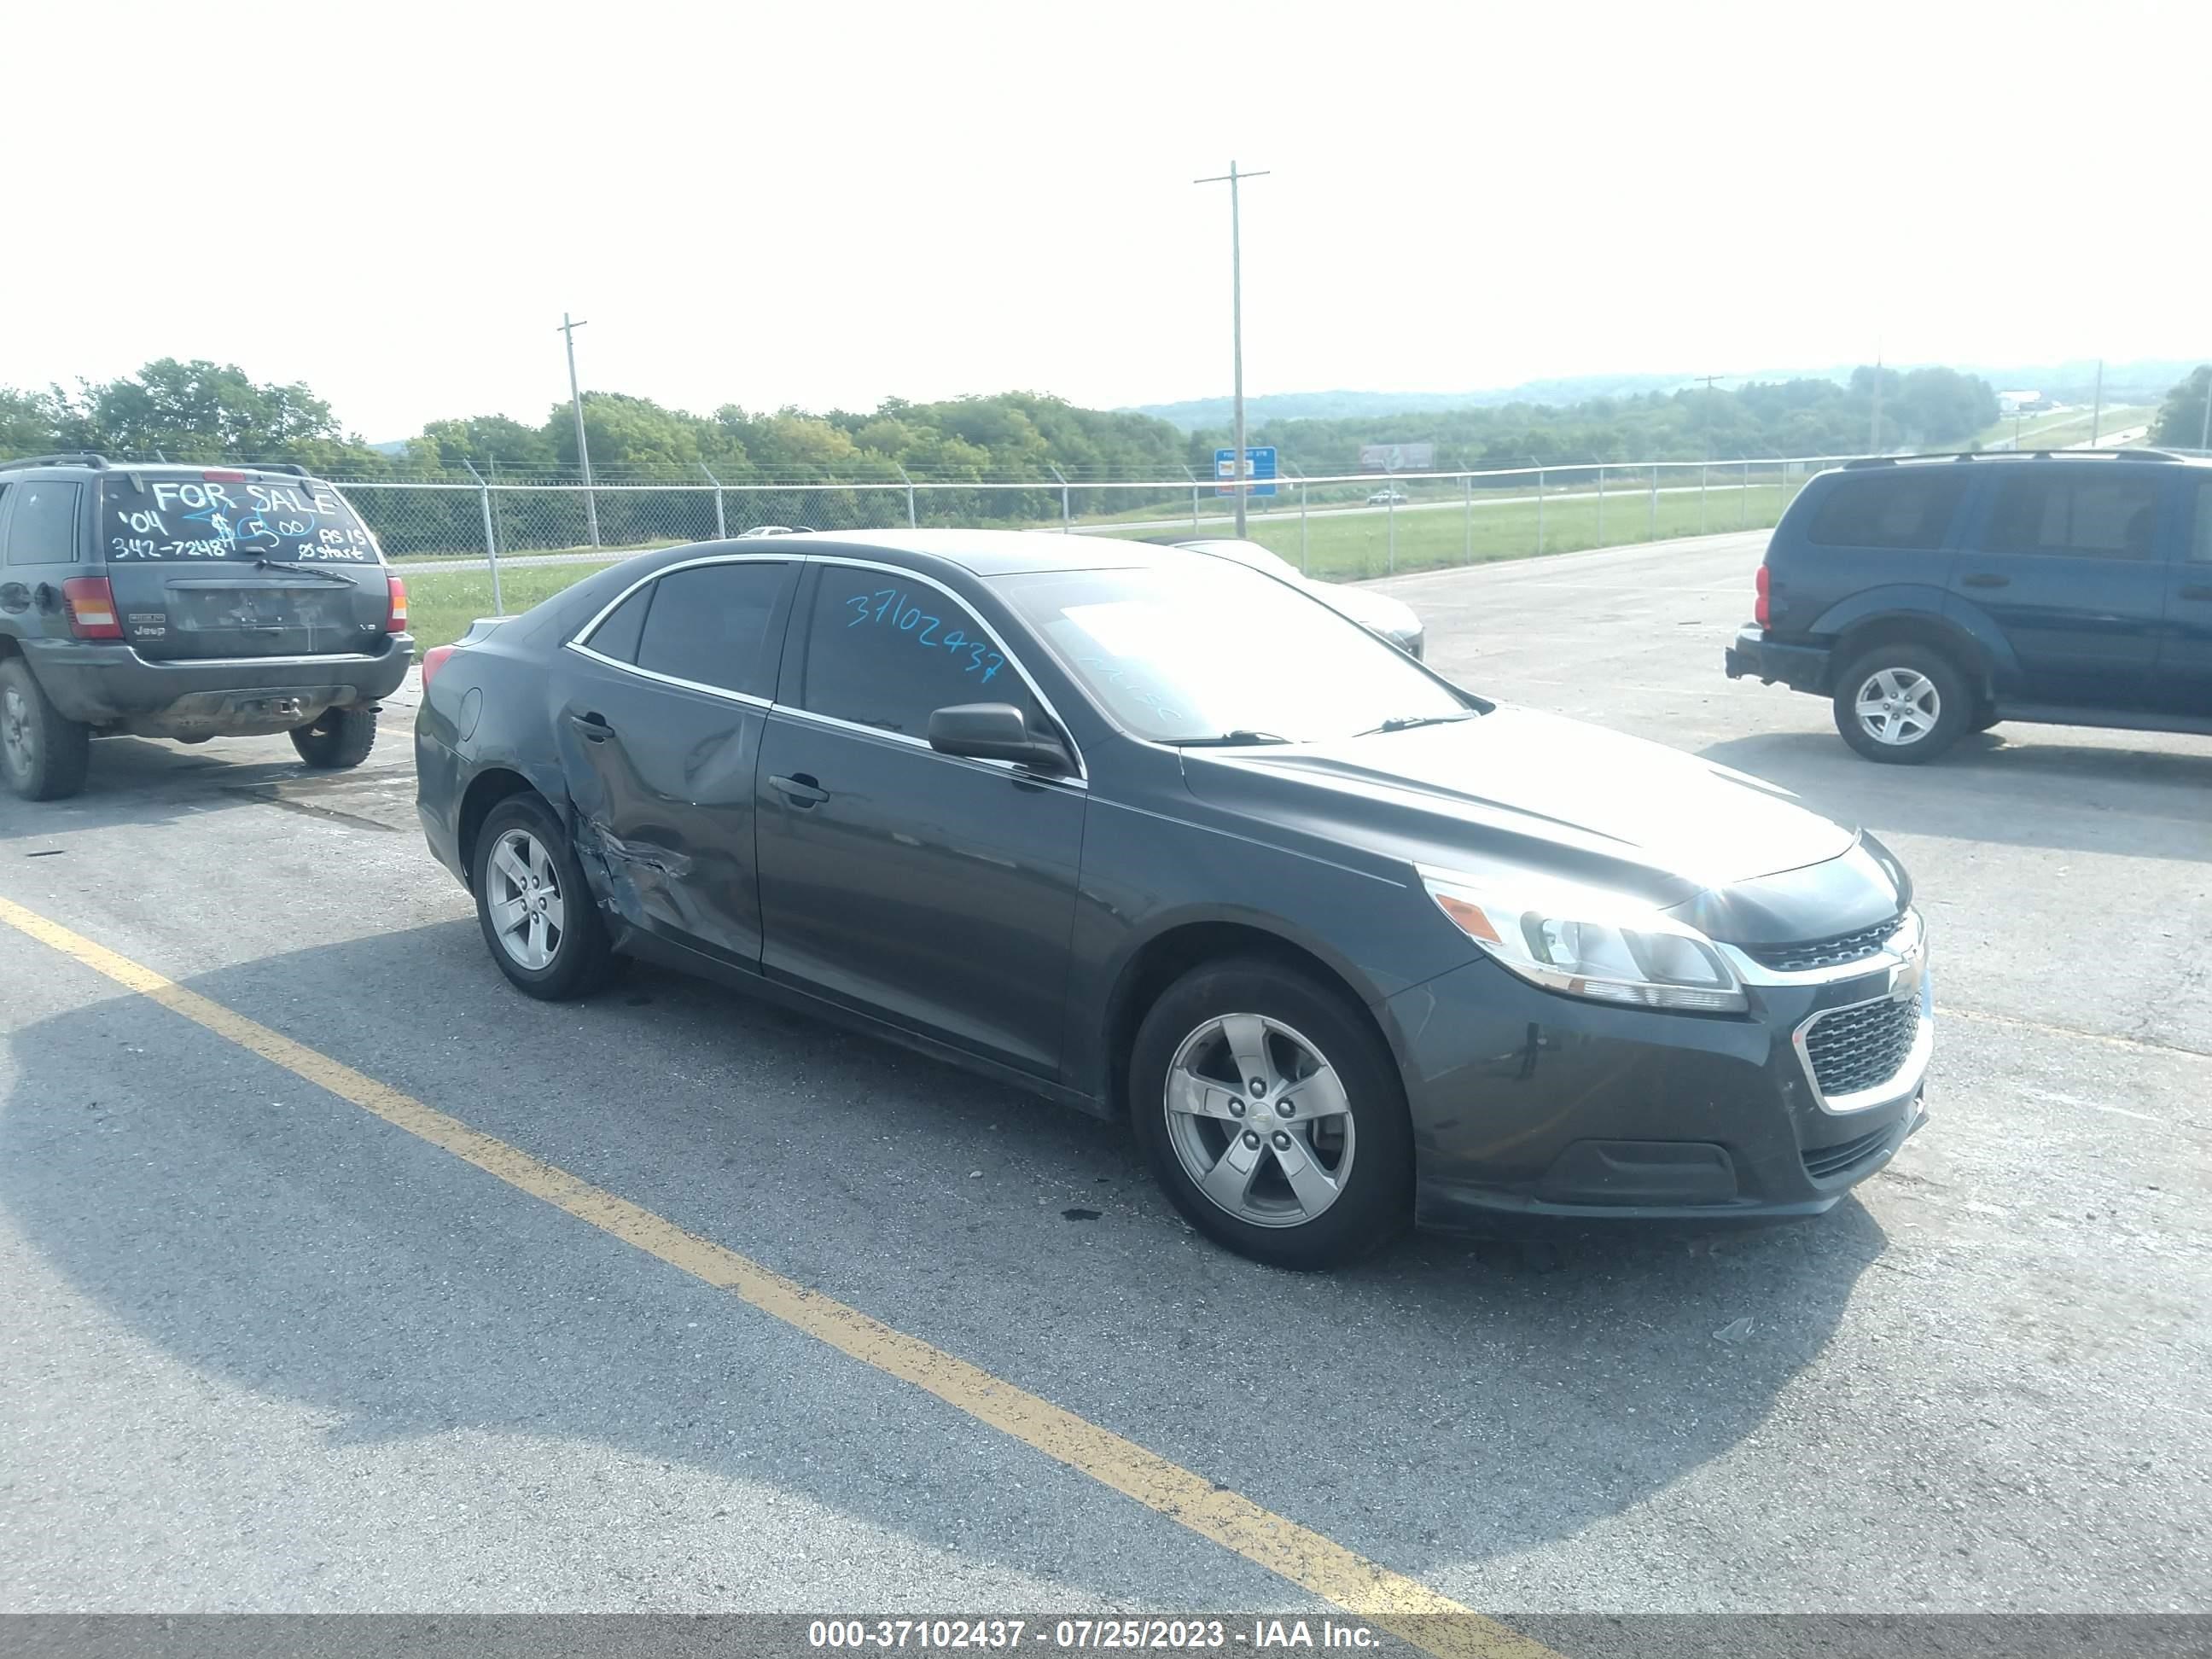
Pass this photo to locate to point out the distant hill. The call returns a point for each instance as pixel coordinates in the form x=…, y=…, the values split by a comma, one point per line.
x=1193, y=413
x=2144, y=381
x=2147, y=380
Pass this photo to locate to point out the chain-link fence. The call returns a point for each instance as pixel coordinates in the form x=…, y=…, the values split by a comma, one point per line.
x=1342, y=527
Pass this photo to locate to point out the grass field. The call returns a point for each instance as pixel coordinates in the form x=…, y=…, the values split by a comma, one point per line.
x=442, y=603
x=1351, y=548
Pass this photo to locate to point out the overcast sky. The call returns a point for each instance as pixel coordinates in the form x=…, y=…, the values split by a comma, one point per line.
x=825, y=204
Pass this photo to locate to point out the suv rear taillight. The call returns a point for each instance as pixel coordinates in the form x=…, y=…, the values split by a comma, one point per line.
x=395, y=621
x=433, y=660
x=1760, y=611
x=91, y=605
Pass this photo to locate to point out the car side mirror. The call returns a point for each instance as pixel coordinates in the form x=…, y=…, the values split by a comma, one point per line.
x=994, y=731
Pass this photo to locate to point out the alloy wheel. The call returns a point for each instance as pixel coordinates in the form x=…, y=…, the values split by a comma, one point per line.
x=529, y=915
x=1259, y=1120
x=1898, y=706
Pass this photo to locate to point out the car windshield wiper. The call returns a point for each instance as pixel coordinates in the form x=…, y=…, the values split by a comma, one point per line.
x=1408, y=722
x=1226, y=740
x=316, y=571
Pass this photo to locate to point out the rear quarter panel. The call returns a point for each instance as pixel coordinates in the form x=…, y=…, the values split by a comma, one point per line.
x=491, y=708
x=1819, y=592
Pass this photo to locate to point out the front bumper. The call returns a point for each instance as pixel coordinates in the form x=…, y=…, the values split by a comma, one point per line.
x=112, y=686
x=1754, y=655
x=1529, y=1106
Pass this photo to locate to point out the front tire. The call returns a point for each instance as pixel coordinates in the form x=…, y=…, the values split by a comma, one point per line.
x=44, y=754
x=1902, y=704
x=1273, y=1116
x=538, y=915
x=338, y=738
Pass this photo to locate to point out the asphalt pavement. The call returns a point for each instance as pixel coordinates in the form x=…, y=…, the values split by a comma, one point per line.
x=263, y=1349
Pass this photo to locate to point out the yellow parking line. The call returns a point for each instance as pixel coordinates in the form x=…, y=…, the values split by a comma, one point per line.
x=1402, y=1605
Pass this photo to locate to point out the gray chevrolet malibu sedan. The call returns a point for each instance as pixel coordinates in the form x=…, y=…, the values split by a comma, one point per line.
x=1160, y=837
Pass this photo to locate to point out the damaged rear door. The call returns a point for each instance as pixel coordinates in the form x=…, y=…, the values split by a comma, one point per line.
x=658, y=708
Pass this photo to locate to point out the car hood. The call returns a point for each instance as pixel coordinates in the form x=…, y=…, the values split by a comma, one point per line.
x=1377, y=612
x=1535, y=796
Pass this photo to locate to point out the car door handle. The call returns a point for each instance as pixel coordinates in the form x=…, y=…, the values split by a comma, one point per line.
x=1986, y=579
x=800, y=790
x=593, y=726
x=2198, y=590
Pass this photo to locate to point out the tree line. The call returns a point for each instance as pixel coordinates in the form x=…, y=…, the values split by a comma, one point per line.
x=2181, y=422
x=203, y=412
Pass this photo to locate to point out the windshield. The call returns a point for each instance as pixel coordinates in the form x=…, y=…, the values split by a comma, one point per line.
x=1209, y=650
x=229, y=516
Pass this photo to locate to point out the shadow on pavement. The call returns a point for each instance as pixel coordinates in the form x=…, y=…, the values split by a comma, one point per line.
x=1446, y=1403
x=138, y=780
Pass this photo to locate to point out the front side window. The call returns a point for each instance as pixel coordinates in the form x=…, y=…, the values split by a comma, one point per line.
x=2200, y=545
x=2087, y=514
x=887, y=651
x=43, y=528
x=1200, y=650
x=1904, y=509
x=711, y=625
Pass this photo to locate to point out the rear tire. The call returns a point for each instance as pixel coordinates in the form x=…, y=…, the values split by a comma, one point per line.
x=44, y=754
x=1321, y=1182
x=337, y=739
x=1902, y=704
x=538, y=917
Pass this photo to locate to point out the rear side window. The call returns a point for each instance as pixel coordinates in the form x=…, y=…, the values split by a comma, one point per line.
x=618, y=636
x=710, y=625
x=42, y=530
x=2074, y=512
x=1901, y=509
x=2200, y=545
x=197, y=518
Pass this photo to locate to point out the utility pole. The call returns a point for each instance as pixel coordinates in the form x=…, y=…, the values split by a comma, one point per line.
x=1233, y=178
x=583, y=449
x=2097, y=409
x=1708, y=379
x=2204, y=438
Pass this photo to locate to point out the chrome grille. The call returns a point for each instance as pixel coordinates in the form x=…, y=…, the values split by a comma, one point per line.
x=1831, y=952
x=1861, y=1047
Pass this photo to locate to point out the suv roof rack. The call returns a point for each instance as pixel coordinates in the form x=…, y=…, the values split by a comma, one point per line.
x=99, y=462
x=2000, y=454
x=67, y=458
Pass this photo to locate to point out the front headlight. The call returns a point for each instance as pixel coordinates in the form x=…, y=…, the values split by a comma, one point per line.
x=1591, y=944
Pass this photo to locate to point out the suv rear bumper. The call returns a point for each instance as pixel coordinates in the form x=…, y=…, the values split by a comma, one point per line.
x=113, y=687
x=1757, y=656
